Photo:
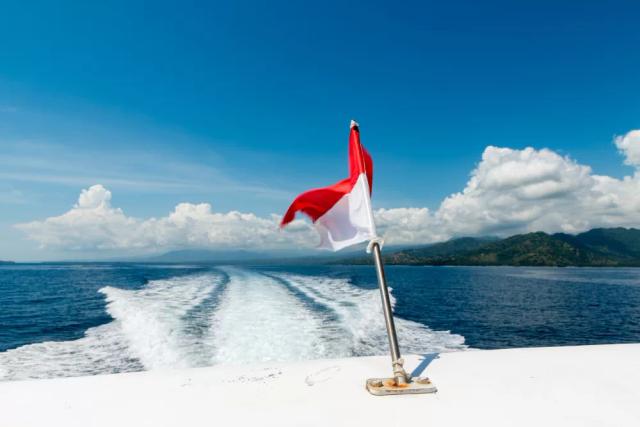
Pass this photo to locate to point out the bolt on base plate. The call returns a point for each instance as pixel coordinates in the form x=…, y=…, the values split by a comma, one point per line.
x=388, y=386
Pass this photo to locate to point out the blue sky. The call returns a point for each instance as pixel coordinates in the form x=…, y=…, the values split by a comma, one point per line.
x=244, y=104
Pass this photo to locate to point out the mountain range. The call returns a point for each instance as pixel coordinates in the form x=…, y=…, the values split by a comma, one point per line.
x=599, y=247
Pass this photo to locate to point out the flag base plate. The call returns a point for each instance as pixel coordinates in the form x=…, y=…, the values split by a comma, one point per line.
x=388, y=386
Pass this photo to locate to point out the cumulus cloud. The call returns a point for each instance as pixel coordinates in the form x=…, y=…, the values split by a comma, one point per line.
x=510, y=191
x=515, y=191
x=519, y=190
x=409, y=225
x=93, y=223
x=629, y=146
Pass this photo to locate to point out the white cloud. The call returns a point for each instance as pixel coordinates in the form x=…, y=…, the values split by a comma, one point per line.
x=516, y=191
x=510, y=191
x=519, y=190
x=408, y=225
x=629, y=146
x=94, y=224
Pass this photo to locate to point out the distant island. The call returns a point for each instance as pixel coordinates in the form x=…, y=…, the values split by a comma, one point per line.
x=6, y=262
x=600, y=247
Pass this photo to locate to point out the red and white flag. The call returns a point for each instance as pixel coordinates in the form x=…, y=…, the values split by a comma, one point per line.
x=341, y=212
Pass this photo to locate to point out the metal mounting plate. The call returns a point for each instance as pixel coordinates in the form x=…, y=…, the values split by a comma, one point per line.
x=387, y=386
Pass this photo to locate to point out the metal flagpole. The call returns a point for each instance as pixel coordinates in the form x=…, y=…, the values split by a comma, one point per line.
x=399, y=375
x=401, y=383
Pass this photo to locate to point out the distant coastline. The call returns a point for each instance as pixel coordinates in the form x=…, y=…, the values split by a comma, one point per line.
x=601, y=247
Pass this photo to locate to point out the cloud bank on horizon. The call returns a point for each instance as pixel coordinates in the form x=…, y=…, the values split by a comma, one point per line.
x=510, y=191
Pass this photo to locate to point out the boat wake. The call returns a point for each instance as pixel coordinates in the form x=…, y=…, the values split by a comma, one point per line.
x=230, y=315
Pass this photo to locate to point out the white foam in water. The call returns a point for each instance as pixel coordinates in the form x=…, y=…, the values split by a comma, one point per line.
x=101, y=350
x=260, y=320
x=152, y=319
x=361, y=321
x=146, y=333
x=257, y=317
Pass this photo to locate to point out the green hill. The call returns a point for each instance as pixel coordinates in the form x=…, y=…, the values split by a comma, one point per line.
x=623, y=243
x=598, y=247
x=535, y=249
x=416, y=256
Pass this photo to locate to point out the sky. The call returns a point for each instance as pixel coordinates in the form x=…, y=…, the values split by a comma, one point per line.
x=131, y=128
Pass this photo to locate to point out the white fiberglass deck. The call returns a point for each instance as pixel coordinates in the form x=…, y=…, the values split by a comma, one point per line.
x=563, y=386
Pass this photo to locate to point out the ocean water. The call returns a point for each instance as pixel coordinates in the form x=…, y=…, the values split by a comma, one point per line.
x=83, y=319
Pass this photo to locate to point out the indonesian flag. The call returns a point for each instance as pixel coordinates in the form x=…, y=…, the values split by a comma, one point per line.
x=341, y=212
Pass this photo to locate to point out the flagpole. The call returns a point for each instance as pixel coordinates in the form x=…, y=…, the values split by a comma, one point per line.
x=400, y=383
x=399, y=374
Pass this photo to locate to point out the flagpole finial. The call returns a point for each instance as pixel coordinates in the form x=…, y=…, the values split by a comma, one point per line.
x=354, y=124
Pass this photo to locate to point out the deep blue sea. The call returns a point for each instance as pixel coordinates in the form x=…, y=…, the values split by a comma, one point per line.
x=77, y=319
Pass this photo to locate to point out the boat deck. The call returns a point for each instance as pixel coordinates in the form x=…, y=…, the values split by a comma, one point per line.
x=564, y=386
